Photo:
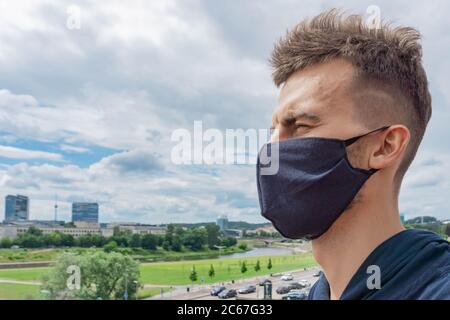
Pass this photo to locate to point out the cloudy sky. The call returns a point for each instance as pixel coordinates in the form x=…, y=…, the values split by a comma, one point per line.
x=87, y=113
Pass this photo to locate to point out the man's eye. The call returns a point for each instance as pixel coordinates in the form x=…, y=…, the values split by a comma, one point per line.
x=302, y=126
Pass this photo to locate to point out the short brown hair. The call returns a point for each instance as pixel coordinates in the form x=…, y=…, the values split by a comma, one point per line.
x=387, y=60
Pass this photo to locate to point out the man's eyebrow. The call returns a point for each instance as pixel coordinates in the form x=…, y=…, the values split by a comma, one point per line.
x=306, y=116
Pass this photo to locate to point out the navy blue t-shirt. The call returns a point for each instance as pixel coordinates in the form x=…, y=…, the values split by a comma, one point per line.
x=413, y=264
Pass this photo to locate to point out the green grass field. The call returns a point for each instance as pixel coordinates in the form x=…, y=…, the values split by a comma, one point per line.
x=29, y=274
x=177, y=273
x=172, y=273
x=13, y=291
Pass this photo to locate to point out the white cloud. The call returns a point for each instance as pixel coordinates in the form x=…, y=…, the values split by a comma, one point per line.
x=136, y=71
x=73, y=149
x=17, y=153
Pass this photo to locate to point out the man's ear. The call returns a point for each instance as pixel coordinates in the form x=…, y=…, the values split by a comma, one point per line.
x=390, y=146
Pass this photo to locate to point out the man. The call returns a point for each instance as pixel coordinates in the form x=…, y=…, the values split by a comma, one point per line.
x=352, y=111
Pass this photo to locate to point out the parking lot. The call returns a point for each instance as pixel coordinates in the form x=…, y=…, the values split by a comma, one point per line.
x=202, y=292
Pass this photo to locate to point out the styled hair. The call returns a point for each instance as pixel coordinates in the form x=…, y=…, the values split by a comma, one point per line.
x=387, y=60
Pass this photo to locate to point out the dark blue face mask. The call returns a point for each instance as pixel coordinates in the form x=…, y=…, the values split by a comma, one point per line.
x=313, y=185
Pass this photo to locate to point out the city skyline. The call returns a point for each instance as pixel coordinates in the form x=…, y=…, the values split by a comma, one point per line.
x=89, y=114
x=17, y=208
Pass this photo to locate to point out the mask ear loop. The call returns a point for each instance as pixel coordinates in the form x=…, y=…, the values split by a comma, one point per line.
x=350, y=141
x=354, y=139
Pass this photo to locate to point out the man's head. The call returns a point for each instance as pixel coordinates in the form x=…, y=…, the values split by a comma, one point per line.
x=341, y=78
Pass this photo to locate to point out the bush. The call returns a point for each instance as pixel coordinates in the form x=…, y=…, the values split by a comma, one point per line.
x=6, y=243
x=243, y=246
x=229, y=242
x=110, y=246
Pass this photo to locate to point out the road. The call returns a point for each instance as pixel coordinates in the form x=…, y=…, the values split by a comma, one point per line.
x=202, y=292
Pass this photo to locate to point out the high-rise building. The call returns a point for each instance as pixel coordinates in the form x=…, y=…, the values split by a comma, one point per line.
x=16, y=208
x=85, y=212
x=222, y=222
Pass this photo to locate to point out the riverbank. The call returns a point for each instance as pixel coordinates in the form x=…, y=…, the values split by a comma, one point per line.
x=15, y=257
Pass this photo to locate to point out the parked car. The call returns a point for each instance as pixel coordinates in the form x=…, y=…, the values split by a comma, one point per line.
x=295, y=285
x=304, y=283
x=287, y=277
x=295, y=295
x=216, y=290
x=283, y=289
x=228, y=293
x=318, y=273
x=247, y=289
x=264, y=281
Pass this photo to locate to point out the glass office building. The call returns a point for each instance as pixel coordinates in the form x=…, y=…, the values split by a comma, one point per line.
x=84, y=211
x=16, y=208
x=222, y=222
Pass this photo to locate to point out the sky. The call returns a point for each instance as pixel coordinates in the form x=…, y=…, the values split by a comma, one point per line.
x=89, y=97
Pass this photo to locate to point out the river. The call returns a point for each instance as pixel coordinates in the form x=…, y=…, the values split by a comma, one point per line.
x=259, y=252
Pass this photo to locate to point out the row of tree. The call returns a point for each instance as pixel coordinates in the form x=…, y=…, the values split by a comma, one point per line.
x=193, y=276
x=175, y=239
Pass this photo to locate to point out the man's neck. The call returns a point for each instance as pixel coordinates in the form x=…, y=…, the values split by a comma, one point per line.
x=351, y=239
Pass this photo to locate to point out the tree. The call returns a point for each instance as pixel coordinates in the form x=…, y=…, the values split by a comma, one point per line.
x=243, y=246
x=67, y=240
x=98, y=240
x=193, y=274
x=6, y=243
x=257, y=266
x=69, y=225
x=102, y=276
x=211, y=272
x=244, y=267
x=229, y=242
x=123, y=238
x=166, y=245
x=135, y=241
x=29, y=240
x=34, y=231
x=212, y=235
x=195, y=238
x=160, y=240
x=53, y=239
x=85, y=241
x=179, y=231
x=110, y=246
x=269, y=264
x=149, y=241
x=169, y=233
x=176, y=244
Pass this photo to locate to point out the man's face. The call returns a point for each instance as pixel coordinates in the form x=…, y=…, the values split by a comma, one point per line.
x=316, y=102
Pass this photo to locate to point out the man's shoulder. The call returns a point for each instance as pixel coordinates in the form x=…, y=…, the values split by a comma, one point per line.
x=436, y=278
x=438, y=288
